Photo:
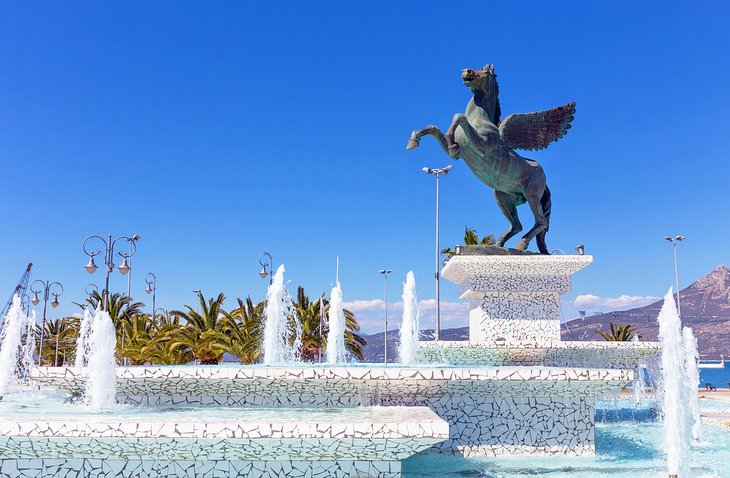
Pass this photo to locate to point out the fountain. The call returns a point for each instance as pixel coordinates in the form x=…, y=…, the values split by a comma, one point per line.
x=674, y=389
x=279, y=347
x=101, y=387
x=82, y=342
x=692, y=376
x=12, y=348
x=410, y=327
x=336, y=351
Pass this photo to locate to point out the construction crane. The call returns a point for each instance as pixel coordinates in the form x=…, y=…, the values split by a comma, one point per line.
x=20, y=289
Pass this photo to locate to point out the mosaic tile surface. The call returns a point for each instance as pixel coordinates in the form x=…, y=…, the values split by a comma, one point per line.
x=95, y=467
x=596, y=354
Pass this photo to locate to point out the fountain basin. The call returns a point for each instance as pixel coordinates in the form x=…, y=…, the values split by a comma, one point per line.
x=562, y=354
x=490, y=411
x=304, y=442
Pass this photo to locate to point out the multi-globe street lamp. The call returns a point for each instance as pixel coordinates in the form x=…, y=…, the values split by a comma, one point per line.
x=674, y=240
x=47, y=288
x=385, y=273
x=267, y=267
x=109, y=245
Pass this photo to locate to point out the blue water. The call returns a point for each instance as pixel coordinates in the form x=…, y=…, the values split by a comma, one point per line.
x=623, y=450
x=719, y=377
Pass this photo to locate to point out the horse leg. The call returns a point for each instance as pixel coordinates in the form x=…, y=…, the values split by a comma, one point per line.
x=546, y=208
x=432, y=130
x=471, y=135
x=533, y=195
x=508, y=204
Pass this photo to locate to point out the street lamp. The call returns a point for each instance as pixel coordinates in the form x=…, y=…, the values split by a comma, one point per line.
x=267, y=267
x=164, y=313
x=151, y=281
x=438, y=173
x=128, y=269
x=109, y=244
x=38, y=286
x=385, y=273
x=674, y=240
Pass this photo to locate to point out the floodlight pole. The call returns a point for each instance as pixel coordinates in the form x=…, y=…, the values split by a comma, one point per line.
x=437, y=275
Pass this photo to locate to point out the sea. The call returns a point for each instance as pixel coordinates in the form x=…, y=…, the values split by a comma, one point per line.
x=718, y=377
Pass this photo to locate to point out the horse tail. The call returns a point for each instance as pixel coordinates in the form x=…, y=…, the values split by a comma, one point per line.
x=546, y=204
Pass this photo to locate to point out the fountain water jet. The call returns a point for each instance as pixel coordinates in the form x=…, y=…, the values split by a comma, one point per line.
x=410, y=328
x=692, y=376
x=279, y=348
x=82, y=342
x=336, y=351
x=674, y=389
x=101, y=385
x=13, y=328
x=27, y=347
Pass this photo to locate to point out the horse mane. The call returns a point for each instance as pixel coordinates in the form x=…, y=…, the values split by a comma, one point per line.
x=497, y=110
x=497, y=107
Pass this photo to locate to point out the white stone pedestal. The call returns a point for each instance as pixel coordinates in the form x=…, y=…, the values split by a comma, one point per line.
x=514, y=300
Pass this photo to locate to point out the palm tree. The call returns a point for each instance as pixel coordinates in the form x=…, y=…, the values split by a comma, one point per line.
x=158, y=350
x=120, y=306
x=244, y=330
x=314, y=339
x=471, y=238
x=138, y=331
x=203, y=334
x=60, y=333
x=618, y=333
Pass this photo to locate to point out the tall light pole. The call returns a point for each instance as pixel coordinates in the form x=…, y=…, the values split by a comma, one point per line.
x=38, y=286
x=109, y=244
x=674, y=240
x=267, y=267
x=437, y=275
x=385, y=273
x=151, y=281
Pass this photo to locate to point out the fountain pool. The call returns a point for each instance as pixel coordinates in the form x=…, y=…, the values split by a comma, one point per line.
x=623, y=450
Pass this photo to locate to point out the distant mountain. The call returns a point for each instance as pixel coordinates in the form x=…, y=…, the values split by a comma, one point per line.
x=705, y=307
x=374, y=348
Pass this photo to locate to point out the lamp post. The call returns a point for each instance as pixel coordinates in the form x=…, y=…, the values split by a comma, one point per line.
x=674, y=240
x=132, y=240
x=38, y=286
x=90, y=289
x=267, y=264
x=385, y=273
x=165, y=313
x=151, y=281
x=124, y=267
x=199, y=293
x=437, y=275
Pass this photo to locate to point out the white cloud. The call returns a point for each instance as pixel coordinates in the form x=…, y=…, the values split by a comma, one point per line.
x=370, y=314
x=622, y=302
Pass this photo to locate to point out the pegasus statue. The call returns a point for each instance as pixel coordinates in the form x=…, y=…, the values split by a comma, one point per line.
x=487, y=146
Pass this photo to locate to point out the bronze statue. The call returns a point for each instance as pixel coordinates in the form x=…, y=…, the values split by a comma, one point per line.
x=486, y=144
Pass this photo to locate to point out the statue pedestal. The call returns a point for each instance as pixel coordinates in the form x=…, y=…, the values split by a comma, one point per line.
x=514, y=299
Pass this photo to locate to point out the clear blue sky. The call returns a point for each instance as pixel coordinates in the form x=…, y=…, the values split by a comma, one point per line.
x=218, y=130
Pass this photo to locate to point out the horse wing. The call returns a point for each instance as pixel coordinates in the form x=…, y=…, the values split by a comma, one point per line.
x=531, y=131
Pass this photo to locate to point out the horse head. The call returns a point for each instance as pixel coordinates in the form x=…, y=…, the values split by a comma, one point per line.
x=483, y=84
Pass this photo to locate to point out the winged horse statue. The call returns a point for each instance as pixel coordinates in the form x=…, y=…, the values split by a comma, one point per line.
x=487, y=146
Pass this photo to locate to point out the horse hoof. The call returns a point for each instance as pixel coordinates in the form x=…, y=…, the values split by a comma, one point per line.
x=412, y=143
x=521, y=246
